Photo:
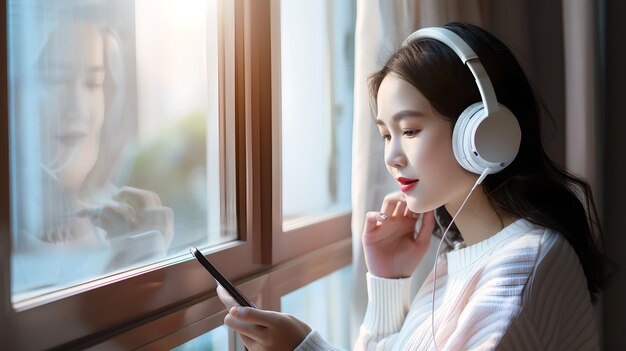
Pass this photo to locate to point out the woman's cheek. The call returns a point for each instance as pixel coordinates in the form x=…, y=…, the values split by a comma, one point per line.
x=435, y=170
x=97, y=108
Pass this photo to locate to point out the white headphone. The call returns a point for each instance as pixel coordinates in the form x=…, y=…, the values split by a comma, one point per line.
x=486, y=136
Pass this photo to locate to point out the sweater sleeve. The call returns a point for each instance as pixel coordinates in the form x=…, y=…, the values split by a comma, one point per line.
x=315, y=342
x=387, y=307
x=388, y=304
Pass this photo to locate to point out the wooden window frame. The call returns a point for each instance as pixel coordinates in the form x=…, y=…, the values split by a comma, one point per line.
x=150, y=310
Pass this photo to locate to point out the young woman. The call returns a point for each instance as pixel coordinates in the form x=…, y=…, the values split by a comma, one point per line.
x=529, y=264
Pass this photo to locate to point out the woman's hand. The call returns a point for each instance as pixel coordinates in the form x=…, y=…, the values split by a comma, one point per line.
x=391, y=248
x=263, y=330
x=134, y=211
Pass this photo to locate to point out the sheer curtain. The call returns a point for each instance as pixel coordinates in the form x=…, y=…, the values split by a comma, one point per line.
x=580, y=39
x=381, y=27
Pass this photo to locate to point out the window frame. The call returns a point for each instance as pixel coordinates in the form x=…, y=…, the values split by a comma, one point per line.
x=5, y=177
x=269, y=262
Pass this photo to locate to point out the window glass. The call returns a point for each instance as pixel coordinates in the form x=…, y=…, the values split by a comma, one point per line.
x=325, y=305
x=317, y=73
x=115, y=137
x=215, y=340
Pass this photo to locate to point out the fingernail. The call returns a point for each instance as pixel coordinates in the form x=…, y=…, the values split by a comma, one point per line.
x=234, y=311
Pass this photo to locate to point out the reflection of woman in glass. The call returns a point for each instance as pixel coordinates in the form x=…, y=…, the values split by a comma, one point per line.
x=83, y=131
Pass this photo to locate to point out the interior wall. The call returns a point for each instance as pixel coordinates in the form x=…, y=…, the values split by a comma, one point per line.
x=614, y=316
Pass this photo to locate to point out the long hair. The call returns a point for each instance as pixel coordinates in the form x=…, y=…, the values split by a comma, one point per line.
x=532, y=186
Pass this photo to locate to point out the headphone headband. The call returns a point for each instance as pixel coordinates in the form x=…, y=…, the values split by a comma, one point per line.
x=486, y=136
x=467, y=56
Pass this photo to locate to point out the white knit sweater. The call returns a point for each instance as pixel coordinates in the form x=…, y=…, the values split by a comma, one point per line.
x=521, y=289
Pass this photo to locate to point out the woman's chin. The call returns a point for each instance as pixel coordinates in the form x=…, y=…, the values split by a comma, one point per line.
x=72, y=180
x=413, y=205
x=416, y=206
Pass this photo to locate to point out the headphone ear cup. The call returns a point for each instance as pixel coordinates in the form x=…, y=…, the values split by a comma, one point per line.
x=460, y=137
x=481, y=141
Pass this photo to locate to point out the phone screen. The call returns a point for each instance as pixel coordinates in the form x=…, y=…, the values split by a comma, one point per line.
x=232, y=290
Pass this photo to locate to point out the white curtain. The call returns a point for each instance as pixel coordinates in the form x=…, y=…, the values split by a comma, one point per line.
x=381, y=27
x=581, y=92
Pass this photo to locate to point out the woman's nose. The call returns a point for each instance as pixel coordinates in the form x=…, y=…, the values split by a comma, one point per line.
x=76, y=101
x=394, y=155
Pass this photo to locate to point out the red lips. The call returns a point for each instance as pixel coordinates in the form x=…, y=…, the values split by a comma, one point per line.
x=406, y=184
x=71, y=138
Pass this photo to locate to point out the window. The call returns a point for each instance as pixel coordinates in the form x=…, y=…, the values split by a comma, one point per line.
x=117, y=154
x=312, y=110
x=138, y=128
x=316, y=79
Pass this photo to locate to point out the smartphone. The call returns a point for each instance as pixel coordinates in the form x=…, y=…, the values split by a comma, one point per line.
x=232, y=290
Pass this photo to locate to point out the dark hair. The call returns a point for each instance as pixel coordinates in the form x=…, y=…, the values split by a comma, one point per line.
x=532, y=186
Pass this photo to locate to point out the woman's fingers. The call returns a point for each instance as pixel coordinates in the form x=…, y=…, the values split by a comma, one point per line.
x=426, y=229
x=394, y=206
x=138, y=198
x=248, y=330
x=253, y=323
x=225, y=297
x=245, y=328
x=114, y=219
x=270, y=330
x=371, y=220
x=400, y=209
x=390, y=203
x=253, y=315
x=161, y=218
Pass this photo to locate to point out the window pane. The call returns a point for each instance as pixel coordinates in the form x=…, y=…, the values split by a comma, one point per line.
x=216, y=339
x=317, y=73
x=115, y=137
x=325, y=306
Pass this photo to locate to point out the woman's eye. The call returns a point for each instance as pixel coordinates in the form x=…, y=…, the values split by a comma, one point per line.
x=93, y=84
x=94, y=81
x=384, y=134
x=410, y=132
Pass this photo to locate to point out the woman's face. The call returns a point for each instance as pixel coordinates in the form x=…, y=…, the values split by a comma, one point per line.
x=418, y=148
x=71, y=101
